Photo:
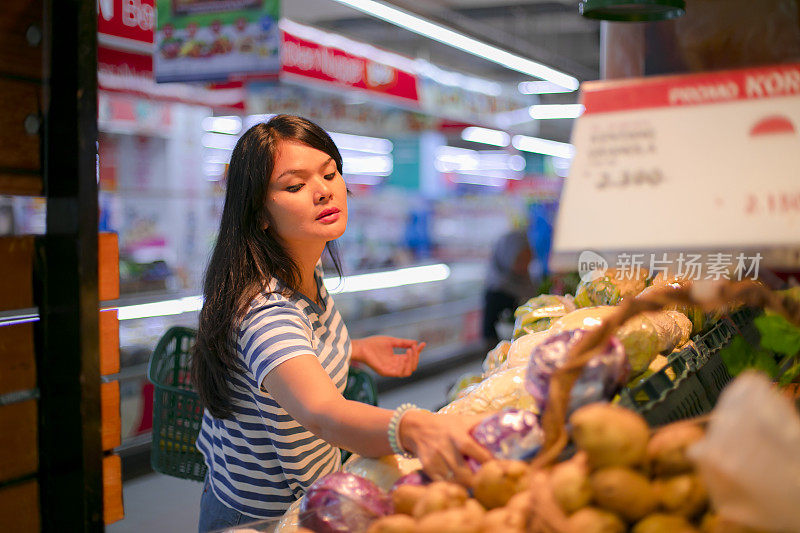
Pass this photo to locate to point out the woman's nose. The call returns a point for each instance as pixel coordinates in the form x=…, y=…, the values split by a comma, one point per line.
x=323, y=191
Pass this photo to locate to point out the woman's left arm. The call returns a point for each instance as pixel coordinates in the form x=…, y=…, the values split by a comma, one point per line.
x=378, y=352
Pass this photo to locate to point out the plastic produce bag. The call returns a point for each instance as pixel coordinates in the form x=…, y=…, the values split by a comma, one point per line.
x=609, y=288
x=538, y=313
x=496, y=357
x=498, y=391
x=343, y=503
x=384, y=471
x=510, y=434
x=749, y=457
x=600, y=378
x=520, y=351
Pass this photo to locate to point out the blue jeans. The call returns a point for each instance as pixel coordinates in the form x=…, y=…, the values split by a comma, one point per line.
x=215, y=515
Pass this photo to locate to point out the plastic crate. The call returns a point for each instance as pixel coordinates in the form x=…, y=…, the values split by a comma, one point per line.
x=711, y=369
x=177, y=412
x=743, y=318
x=673, y=393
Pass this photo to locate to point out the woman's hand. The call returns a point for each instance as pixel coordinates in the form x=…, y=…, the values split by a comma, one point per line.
x=442, y=442
x=378, y=353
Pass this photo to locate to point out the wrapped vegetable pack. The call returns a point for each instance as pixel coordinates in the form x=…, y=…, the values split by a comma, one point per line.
x=383, y=471
x=600, y=379
x=520, y=351
x=644, y=336
x=341, y=502
x=610, y=288
x=496, y=357
x=498, y=391
x=538, y=313
x=510, y=434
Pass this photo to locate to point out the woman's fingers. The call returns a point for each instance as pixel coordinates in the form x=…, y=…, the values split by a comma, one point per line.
x=471, y=448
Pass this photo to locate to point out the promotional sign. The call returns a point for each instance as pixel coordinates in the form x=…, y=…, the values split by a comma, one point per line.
x=697, y=162
x=126, y=24
x=310, y=60
x=215, y=40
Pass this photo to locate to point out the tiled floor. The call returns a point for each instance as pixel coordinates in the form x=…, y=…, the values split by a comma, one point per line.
x=156, y=503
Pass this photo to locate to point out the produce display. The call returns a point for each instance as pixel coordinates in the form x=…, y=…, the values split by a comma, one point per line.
x=618, y=474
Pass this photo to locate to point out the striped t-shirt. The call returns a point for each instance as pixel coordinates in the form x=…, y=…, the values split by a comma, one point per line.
x=261, y=459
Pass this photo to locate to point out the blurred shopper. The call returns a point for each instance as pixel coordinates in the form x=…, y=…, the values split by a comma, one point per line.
x=272, y=352
x=508, y=282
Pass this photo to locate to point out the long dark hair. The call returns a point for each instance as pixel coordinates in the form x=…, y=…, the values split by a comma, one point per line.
x=246, y=255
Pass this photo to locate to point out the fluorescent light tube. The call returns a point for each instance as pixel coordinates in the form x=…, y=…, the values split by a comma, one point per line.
x=541, y=87
x=543, y=146
x=486, y=136
x=385, y=280
x=555, y=111
x=463, y=42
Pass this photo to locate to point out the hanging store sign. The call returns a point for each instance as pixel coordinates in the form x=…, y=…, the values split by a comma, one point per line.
x=308, y=60
x=711, y=160
x=126, y=24
x=216, y=40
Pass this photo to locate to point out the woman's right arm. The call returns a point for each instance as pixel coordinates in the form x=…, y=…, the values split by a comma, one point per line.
x=303, y=388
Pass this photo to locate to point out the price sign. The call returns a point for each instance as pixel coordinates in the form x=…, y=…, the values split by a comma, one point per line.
x=685, y=162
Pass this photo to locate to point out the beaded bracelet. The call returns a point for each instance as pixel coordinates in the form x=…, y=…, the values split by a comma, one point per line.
x=394, y=425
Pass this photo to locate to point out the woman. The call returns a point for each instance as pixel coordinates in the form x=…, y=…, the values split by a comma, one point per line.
x=272, y=354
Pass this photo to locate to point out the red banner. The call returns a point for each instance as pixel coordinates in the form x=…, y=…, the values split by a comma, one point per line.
x=130, y=22
x=309, y=60
x=692, y=89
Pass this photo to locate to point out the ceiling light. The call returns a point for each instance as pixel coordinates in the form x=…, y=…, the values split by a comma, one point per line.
x=553, y=111
x=541, y=87
x=486, y=136
x=230, y=125
x=543, y=146
x=463, y=42
x=362, y=143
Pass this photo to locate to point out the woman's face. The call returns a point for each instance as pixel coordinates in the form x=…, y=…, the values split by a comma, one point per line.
x=306, y=195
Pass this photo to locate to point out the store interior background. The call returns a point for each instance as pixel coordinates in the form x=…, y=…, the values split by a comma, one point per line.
x=422, y=194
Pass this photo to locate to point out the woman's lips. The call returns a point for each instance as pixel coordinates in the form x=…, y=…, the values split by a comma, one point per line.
x=329, y=216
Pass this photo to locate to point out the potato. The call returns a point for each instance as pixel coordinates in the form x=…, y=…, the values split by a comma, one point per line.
x=466, y=519
x=684, y=495
x=438, y=496
x=497, y=481
x=505, y=520
x=666, y=451
x=663, y=523
x=623, y=491
x=570, y=483
x=610, y=435
x=405, y=497
x=396, y=523
x=520, y=501
x=713, y=523
x=594, y=520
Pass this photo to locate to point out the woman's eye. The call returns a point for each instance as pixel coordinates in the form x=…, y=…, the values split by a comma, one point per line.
x=294, y=188
x=330, y=176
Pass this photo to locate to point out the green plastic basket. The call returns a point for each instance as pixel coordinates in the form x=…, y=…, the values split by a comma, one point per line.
x=177, y=412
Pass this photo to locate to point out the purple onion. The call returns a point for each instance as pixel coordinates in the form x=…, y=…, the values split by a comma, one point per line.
x=417, y=477
x=342, y=502
x=509, y=434
x=600, y=379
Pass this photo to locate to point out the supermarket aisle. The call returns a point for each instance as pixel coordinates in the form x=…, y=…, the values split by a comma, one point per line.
x=156, y=503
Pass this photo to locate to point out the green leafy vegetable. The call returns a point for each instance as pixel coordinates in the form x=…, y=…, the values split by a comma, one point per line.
x=778, y=335
x=739, y=356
